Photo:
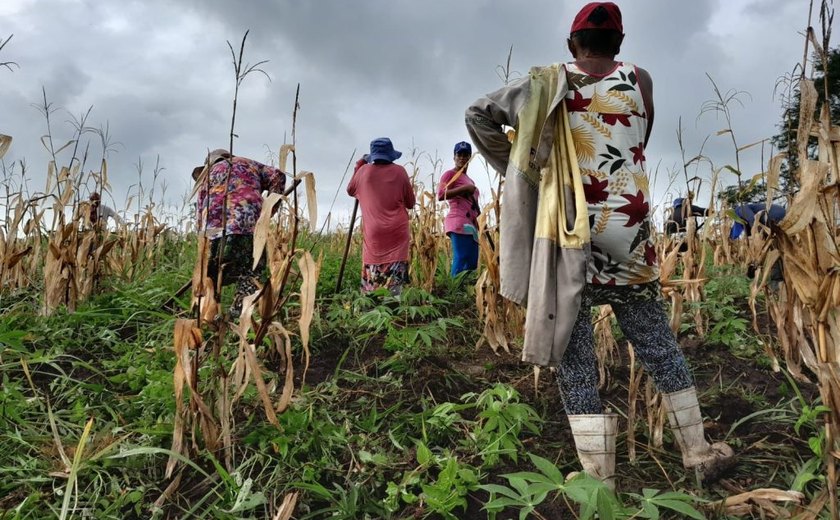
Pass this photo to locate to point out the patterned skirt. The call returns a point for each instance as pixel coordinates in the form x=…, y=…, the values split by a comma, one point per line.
x=391, y=276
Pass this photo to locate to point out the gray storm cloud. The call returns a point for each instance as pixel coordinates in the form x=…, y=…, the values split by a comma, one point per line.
x=159, y=73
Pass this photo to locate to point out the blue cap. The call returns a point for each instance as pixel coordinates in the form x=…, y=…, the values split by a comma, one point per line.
x=463, y=147
x=382, y=149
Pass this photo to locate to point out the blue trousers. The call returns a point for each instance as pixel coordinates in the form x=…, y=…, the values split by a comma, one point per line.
x=464, y=253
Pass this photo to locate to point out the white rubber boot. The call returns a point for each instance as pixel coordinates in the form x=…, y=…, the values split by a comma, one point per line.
x=595, y=443
x=708, y=461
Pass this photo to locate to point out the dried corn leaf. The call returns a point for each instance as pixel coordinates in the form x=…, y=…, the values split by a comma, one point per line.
x=774, y=174
x=104, y=184
x=759, y=501
x=287, y=508
x=311, y=199
x=263, y=225
x=309, y=270
x=281, y=338
x=605, y=344
x=283, y=155
x=187, y=337
x=632, y=394
x=807, y=106
x=250, y=356
x=804, y=208
x=655, y=413
x=14, y=258
x=5, y=143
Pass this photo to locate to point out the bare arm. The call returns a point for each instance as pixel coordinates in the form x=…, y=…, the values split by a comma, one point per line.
x=107, y=212
x=646, y=88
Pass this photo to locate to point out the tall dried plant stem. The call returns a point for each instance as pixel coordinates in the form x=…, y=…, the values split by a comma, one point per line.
x=295, y=217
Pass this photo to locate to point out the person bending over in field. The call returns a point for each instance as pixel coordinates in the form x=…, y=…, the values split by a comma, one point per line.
x=100, y=212
x=461, y=222
x=610, y=116
x=385, y=195
x=680, y=212
x=246, y=180
x=747, y=214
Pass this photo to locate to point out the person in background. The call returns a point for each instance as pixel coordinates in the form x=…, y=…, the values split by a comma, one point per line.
x=747, y=214
x=681, y=211
x=610, y=118
x=233, y=207
x=385, y=195
x=101, y=212
x=461, y=224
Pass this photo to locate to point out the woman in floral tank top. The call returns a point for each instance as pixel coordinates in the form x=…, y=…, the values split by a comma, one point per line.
x=610, y=105
x=610, y=117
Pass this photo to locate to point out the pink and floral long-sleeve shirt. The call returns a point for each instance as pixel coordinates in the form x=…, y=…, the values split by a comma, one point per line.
x=463, y=210
x=248, y=179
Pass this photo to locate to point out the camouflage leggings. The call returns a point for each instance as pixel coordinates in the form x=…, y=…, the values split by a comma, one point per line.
x=642, y=318
x=237, y=259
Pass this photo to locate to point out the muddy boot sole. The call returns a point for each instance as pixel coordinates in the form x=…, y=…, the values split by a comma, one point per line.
x=710, y=471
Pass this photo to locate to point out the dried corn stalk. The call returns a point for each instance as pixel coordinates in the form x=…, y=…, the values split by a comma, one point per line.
x=636, y=373
x=502, y=319
x=187, y=341
x=655, y=413
x=668, y=251
x=606, y=347
x=425, y=238
x=806, y=310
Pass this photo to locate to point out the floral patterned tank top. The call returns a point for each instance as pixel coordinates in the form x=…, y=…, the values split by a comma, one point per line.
x=609, y=122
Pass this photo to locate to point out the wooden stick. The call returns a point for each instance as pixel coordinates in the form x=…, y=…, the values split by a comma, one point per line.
x=347, y=247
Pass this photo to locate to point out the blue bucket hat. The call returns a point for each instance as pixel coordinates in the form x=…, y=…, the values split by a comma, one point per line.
x=463, y=147
x=383, y=150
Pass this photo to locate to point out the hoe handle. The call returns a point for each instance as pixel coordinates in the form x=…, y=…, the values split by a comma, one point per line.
x=347, y=247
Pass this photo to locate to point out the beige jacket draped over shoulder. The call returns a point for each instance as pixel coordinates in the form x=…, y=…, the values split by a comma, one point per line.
x=544, y=227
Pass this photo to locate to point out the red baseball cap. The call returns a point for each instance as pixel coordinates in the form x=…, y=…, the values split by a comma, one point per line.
x=613, y=20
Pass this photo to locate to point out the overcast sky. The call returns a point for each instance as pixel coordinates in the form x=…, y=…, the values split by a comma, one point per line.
x=159, y=73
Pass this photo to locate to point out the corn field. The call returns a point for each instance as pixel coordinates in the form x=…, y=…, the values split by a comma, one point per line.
x=314, y=403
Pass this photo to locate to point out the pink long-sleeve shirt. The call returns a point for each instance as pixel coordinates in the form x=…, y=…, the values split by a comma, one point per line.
x=462, y=210
x=385, y=194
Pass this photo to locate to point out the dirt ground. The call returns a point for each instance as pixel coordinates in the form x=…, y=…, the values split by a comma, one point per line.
x=730, y=390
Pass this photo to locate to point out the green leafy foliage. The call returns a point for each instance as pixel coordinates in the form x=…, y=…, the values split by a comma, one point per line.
x=726, y=293
x=501, y=420
x=529, y=489
x=400, y=417
x=652, y=503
